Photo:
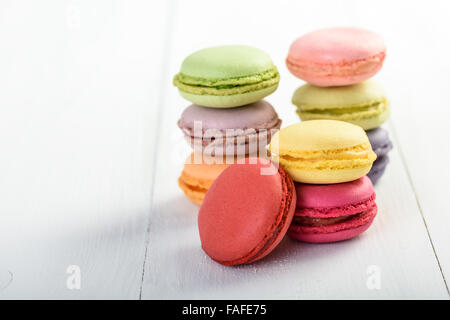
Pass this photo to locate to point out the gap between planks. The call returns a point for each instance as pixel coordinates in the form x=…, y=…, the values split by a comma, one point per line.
x=171, y=8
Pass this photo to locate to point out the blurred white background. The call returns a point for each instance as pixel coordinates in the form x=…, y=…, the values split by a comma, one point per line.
x=90, y=150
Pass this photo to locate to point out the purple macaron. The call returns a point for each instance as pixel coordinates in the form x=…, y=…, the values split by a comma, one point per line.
x=237, y=131
x=381, y=145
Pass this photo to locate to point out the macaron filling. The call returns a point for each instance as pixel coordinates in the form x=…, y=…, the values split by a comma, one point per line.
x=233, y=136
x=197, y=187
x=370, y=110
x=199, y=173
x=212, y=134
x=195, y=190
x=354, y=221
x=358, y=156
x=318, y=222
x=341, y=69
x=338, y=211
x=228, y=86
x=327, y=220
x=195, y=194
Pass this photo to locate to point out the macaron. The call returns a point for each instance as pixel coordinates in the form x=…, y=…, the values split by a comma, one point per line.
x=381, y=145
x=246, y=212
x=198, y=175
x=227, y=76
x=336, y=56
x=364, y=104
x=333, y=212
x=323, y=151
x=237, y=131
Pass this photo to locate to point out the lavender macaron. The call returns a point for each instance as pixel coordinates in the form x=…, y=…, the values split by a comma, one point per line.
x=381, y=145
x=237, y=131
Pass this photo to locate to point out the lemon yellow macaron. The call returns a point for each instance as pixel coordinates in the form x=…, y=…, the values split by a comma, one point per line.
x=323, y=151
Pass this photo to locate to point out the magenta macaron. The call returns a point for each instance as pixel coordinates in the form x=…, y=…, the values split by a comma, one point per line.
x=336, y=56
x=333, y=212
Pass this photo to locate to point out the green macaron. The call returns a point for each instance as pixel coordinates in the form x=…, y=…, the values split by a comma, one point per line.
x=363, y=104
x=227, y=76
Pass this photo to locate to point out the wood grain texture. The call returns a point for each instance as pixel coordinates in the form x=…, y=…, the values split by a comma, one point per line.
x=420, y=122
x=398, y=243
x=91, y=152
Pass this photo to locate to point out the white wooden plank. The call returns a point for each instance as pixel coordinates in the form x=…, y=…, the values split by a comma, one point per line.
x=421, y=111
x=79, y=90
x=397, y=244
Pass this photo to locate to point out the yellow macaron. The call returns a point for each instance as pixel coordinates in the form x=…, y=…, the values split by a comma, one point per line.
x=323, y=151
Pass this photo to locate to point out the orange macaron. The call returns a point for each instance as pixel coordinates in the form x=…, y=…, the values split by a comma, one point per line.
x=198, y=174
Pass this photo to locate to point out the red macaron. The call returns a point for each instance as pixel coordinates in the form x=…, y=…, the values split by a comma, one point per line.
x=333, y=212
x=246, y=212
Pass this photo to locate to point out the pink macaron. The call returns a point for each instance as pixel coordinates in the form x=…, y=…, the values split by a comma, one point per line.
x=333, y=212
x=336, y=56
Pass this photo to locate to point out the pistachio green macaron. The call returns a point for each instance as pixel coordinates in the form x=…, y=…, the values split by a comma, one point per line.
x=227, y=76
x=363, y=104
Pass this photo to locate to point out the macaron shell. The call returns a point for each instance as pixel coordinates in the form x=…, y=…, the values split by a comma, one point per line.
x=238, y=131
x=195, y=195
x=333, y=195
x=337, y=45
x=231, y=101
x=196, y=178
x=354, y=201
x=363, y=104
x=229, y=61
x=378, y=168
x=355, y=76
x=317, y=135
x=323, y=151
x=351, y=208
x=257, y=115
x=227, y=76
x=329, y=237
x=335, y=232
x=381, y=145
x=245, y=213
x=313, y=97
x=379, y=139
x=375, y=121
x=284, y=222
x=254, y=142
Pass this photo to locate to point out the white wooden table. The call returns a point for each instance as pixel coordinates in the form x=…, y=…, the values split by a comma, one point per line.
x=90, y=152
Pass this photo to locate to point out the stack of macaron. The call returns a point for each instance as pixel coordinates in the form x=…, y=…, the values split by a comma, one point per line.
x=315, y=189
x=328, y=160
x=227, y=120
x=338, y=63
x=314, y=185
